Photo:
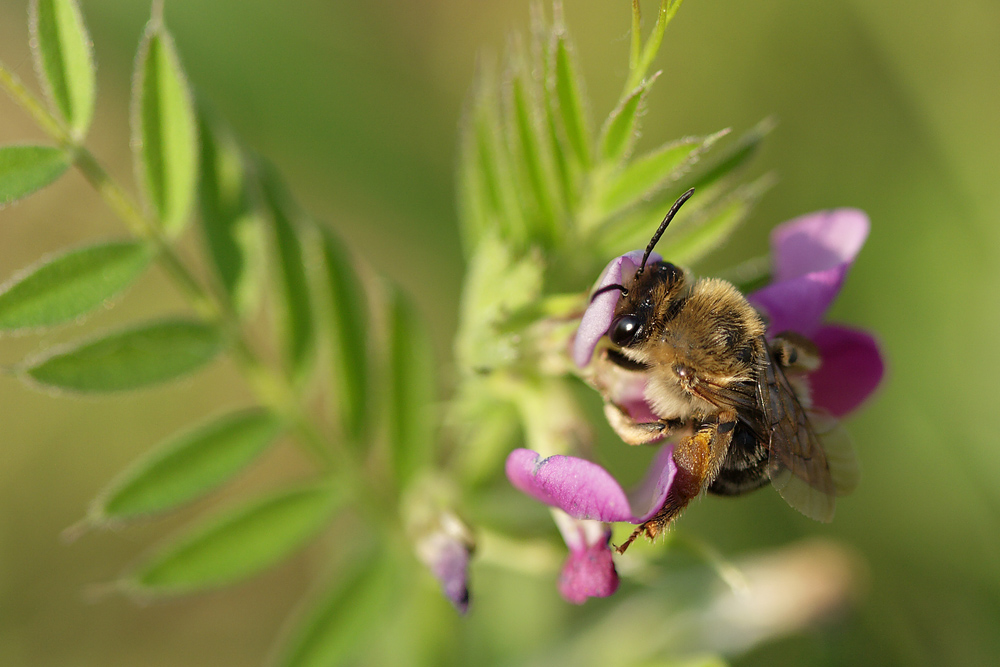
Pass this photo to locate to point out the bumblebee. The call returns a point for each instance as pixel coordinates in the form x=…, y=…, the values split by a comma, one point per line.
x=737, y=401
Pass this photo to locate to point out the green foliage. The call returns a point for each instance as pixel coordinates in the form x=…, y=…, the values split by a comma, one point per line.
x=186, y=466
x=26, y=169
x=410, y=390
x=346, y=340
x=67, y=286
x=292, y=289
x=345, y=616
x=544, y=199
x=236, y=544
x=229, y=218
x=64, y=59
x=164, y=128
x=129, y=359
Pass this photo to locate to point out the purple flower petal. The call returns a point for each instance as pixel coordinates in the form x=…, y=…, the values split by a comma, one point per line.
x=597, y=318
x=812, y=255
x=852, y=368
x=446, y=551
x=585, y=490
x=589, y=573
x=817, y=242
x=452, y=569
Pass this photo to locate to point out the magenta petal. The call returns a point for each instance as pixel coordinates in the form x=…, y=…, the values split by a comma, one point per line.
x=812, y=255
x=585, y=490
x=800, y=303
x=597, y=318
x=817, y=242
x=589, y=573
x=852, y=369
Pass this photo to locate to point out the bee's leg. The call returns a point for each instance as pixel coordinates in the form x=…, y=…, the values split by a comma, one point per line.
x=637, y=433
x=698, y=458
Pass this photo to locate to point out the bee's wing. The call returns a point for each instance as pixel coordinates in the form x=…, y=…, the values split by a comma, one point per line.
x=808, y=472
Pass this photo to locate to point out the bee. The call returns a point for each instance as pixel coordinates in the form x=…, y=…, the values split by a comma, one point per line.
x=737, y=400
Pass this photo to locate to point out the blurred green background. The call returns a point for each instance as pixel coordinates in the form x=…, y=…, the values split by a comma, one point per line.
x=885, y=106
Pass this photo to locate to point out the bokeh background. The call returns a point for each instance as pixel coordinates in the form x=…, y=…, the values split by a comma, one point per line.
x=885, y=106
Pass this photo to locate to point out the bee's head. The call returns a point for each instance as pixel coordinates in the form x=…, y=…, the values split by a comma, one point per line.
x=644, y=298
x=648, y=293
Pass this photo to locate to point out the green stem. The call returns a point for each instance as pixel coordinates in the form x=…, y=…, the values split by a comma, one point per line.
x=29, y=103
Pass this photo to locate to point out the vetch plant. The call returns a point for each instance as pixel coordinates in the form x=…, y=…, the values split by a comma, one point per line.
x=546, y=196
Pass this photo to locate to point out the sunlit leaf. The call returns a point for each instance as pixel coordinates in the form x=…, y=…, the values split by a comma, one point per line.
x=67, y=286
x=128, y=359
x=164, y=128
x=342, y=619
x=237, y=543
x=64, y=58
x=230, y=223
x=26, y=169
x=347, y=338
x=621, y=128
x=411, y=392
x=533, y=155
x=645, y=175
x=731, y=159
x=296, y=316
x=642, y=63
x=489, y=190
x=186, y=466
x=704, y=233
x=568, y=91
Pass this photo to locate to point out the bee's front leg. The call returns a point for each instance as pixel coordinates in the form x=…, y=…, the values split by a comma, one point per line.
x=637, y=433
x=698, y=458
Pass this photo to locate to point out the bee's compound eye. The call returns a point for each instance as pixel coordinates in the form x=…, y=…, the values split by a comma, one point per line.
x=623, y=330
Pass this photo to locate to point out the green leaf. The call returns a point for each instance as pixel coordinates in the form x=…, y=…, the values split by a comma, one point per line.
x=647, y=174
x=296, y=317
x=347, y=339
x=622, y=126
x=641, y=64
x=67, y=286
x=532, y=150
x=128, y=359
x=229, y=220
x=488, y=189
x=568, y=92
x=499, y=283
x=733, y=158
x=703, y=234
x=65, y=60
x=411, y=389
x=343, y=618
x=237, y=543
x=186, y=466
x=165, y=142
x=25, y=169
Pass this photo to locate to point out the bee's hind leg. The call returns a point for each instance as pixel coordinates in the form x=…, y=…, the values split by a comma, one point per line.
x=698, y=458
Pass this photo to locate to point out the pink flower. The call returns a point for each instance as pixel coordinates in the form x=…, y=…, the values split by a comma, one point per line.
x=589, y=571
x=812, y=256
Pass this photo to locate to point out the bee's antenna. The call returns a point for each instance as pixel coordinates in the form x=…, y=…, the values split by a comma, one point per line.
x=663, y=226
